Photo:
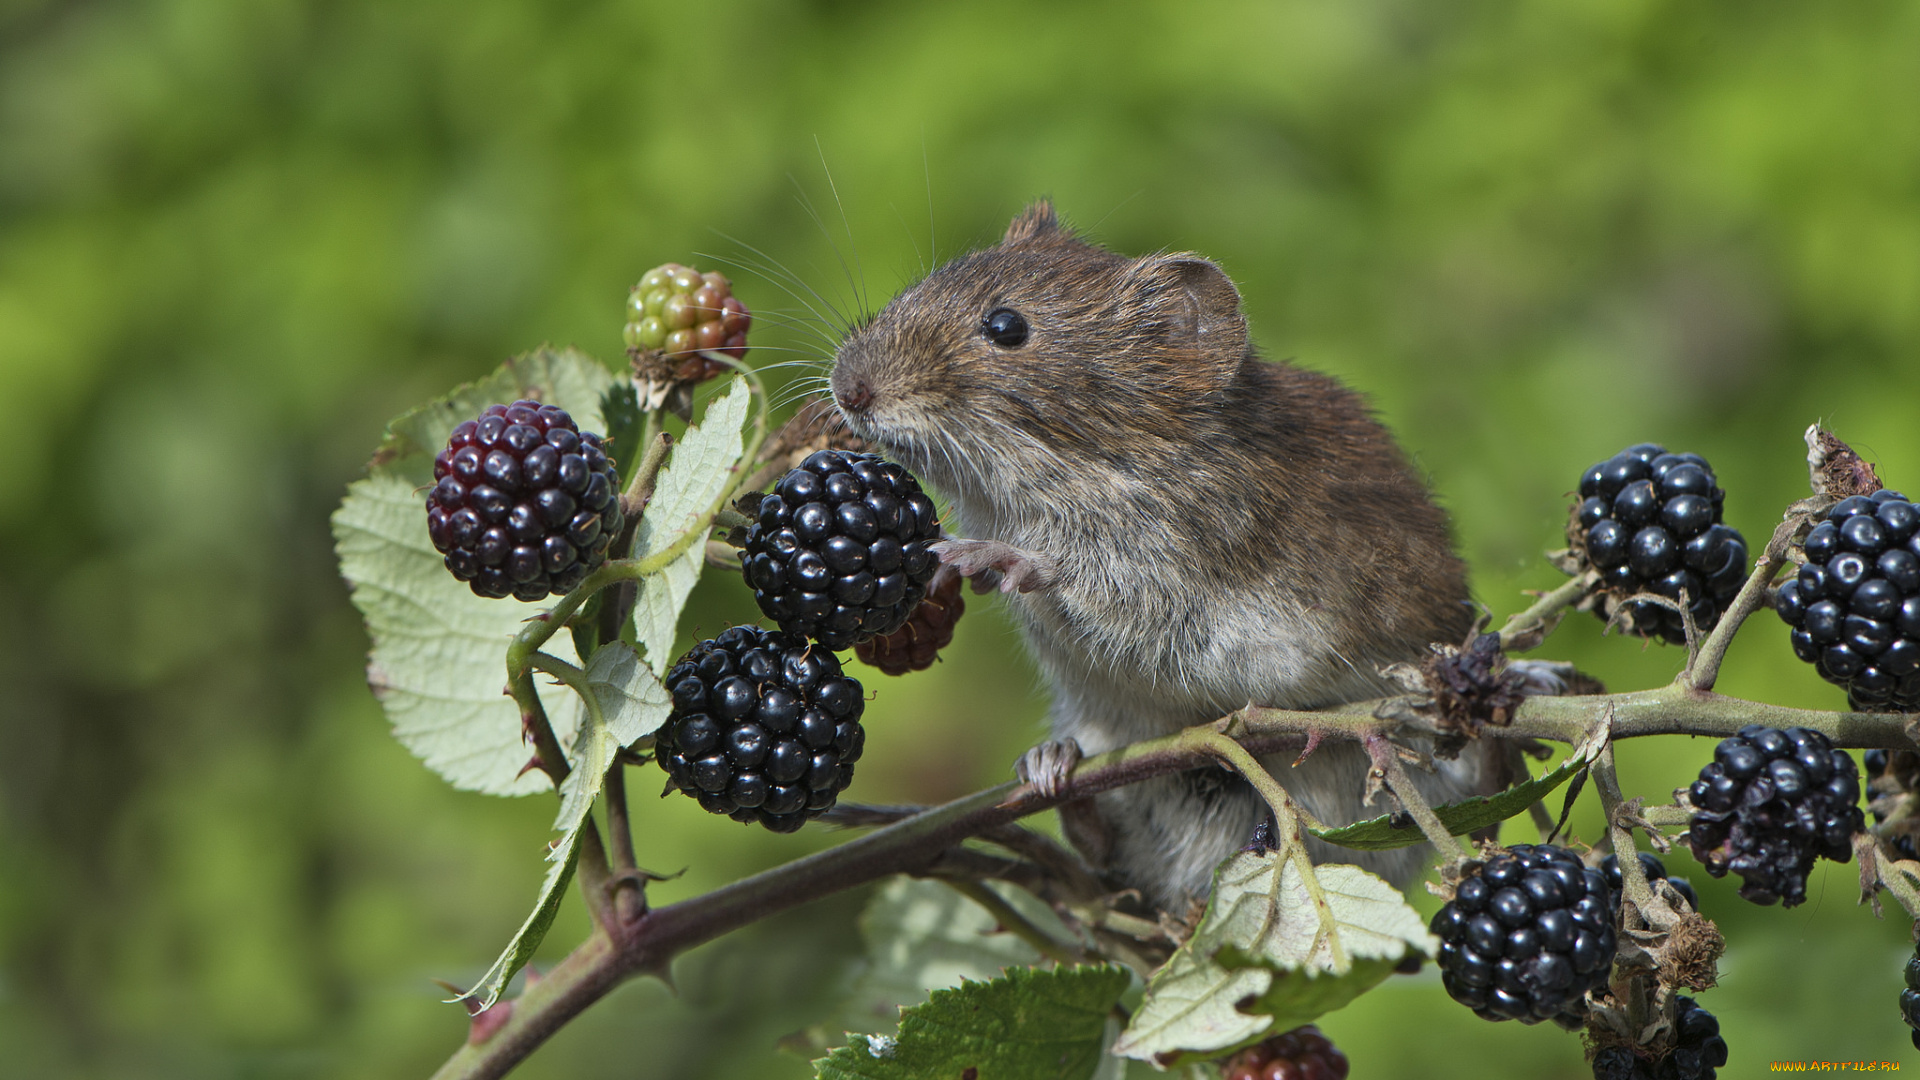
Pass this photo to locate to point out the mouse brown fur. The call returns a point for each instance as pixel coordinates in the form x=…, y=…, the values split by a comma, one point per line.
x=1184, y=527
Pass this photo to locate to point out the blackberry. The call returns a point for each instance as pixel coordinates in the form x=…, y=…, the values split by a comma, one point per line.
x=681, y=312
x=840, y=550
x=524, y=503
x=1300, y=1054
x=1910, y=998
x=1653, y=868
x=1890, y=778
x=764, y=727
x=1697, y=1052
x=1527, y=935
x=916, y=645
x=1769, y=804
x=1855, y=605
x=1649, y=521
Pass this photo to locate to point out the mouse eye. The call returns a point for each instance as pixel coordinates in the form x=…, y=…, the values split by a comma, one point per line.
x=1005, y=328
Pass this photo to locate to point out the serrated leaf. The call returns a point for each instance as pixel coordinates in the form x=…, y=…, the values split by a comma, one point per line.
x=922, y=936
x=438, y=658
x=1027, y=1025
x=1461, y=818
x=628, y=703
x=1261, y=942
x=697, y=476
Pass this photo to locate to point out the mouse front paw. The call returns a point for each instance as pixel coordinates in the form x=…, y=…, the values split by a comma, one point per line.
x=990, y=562
x=1049, y=766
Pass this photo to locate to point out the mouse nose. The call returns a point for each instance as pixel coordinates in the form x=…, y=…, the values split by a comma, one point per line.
x=854, y=394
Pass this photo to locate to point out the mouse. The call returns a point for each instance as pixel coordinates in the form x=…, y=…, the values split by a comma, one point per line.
x=1178, y=526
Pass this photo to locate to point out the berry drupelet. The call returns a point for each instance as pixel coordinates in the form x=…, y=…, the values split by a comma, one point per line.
x=1855, y=604
x=1696, y=1055
x=1649, y=521
x=1769, y=804
x=1300, y=1054
x=764, y=727
x=1527, y=935
x=840, y=551
x=524, y=503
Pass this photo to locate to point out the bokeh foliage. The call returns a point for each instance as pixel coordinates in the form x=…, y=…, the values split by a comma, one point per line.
x=235, y=238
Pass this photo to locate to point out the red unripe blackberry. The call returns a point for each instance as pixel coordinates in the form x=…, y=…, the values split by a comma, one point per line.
x=840, y=551
x=764, y=727
x=1855, y=605
x=1769, y=804
x=679, y=311
x=1527, y=935
x=1697, y=1052
x=916, y=645
x=524, y=504
x=1649, y=521
x=1300, y=1054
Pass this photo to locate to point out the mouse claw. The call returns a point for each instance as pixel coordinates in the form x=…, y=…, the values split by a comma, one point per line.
x=1049, y=767
x=987, y=560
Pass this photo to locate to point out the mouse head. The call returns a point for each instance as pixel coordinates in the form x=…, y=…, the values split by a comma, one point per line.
x=1041, y=356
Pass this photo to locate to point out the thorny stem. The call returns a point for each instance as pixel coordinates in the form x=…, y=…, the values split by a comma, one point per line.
x=1015, y=923
x=1541, y=615
x=1705, y=667
x=1386, y=759
x=1626, y=854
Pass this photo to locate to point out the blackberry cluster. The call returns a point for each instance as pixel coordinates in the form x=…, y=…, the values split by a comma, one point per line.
x=1649, y=521
x=840, y=550
x=680, y=311
x=1855, y=606
x=1527, y=935
x=1300, y=1054
x=1769, y=804
x=525, y=503
x=764, y=727
x=1910, y=998
x=1698, y=1052
x=1889, y=779
x=1654, y=869
x=917, y=644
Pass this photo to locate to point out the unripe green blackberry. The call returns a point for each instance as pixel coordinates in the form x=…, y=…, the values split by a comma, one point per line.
x=524, y=504
x=1855, y=605
x=1649, y=521
x=1527, y=935
x=841, y=549
x=764, y=727
x=679, y=311
x=1769, y=804
x=916, y=645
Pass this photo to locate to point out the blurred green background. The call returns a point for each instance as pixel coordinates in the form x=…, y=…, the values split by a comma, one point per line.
x=235, y=238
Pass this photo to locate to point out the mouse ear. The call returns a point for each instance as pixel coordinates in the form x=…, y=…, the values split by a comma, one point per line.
x=1198, y=302
x=1036, y=221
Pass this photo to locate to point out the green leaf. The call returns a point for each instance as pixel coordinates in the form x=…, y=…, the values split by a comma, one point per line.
x=922, y=936
x=628, y=703
x=1027, y=1025
x=1261, y=947
x=438, y=659
x=697, y=477
x=1461, y=818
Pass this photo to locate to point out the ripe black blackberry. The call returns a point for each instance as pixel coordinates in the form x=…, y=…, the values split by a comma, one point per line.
x=840, y=550
x=1769, y=804
x=1890, y=780
x=524, y=503
x=1654, y=869
x=1855, y=605
x=1301, y=1054
x=764, y=727
x=1649, y=521
x=1697, y=1053
x=1910, y=998
x=1527, y=935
